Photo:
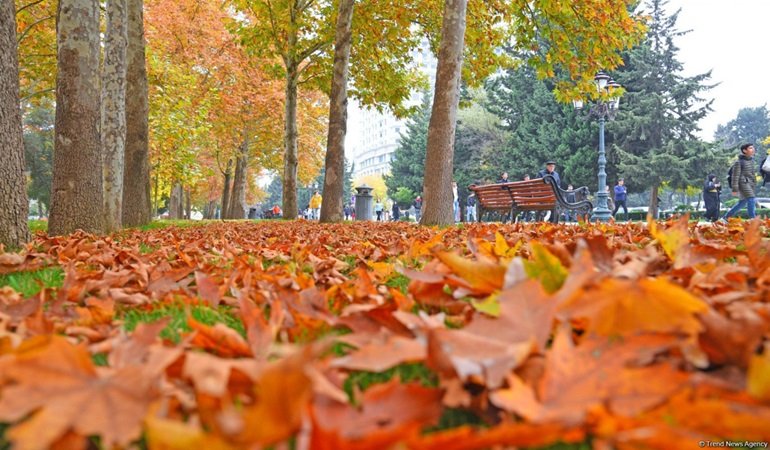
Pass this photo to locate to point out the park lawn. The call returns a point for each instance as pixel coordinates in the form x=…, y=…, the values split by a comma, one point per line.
x=383, y=334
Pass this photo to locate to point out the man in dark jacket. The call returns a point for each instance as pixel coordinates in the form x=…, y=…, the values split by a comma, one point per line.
x=621, y=195
x=743, y=182
x=711, y=189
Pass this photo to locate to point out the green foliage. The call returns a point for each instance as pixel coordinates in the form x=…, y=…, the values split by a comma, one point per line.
x=654, y=135
x=178, y=313
x=29, y=284
x=408, y=166
x=38, y=225
x=404, y=196
x=38, y=153
x=751, y=125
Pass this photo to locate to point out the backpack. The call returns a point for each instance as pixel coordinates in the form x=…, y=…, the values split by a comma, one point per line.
x=730, y=174
x=765, y=167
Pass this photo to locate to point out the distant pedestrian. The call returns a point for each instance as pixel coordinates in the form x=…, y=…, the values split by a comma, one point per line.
x=743, y=182
x=455, y=202
x=503, y=178
x=378, y=208
x=396, y=215
x=315, y=206
x=610, y=203
x=621, y=195
x=417, y=208
x=347, y=210
x=711, y=190
x=470, y=207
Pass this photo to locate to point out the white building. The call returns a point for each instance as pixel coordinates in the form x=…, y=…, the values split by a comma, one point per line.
x=372, y=137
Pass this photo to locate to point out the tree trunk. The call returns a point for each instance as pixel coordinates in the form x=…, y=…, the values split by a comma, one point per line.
x=290, y=158
x=211, y=210
x=238, y=197
x=187, y=204
x=437, y=188
x=136, y=177
x=76, y=189
x=224, y=214
x=14, y=205
x=114, y=113
x=334, y=179
x=653, y=209
x=176, y=203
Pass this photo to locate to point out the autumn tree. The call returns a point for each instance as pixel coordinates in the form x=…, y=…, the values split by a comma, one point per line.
x=76, y=193
x=136, y=208
x=331, y=208
x=750, y=125
x=36, y=37
x=439, y=154
x=13, y=195
x=38, y=153
x=579, y=40
x=114, y=113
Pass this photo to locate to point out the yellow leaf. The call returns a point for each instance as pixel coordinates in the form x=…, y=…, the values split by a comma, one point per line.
x=758, y=377
x=545, y=267
x=489, y=306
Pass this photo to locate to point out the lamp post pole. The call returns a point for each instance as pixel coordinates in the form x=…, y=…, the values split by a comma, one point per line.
x=603, y=109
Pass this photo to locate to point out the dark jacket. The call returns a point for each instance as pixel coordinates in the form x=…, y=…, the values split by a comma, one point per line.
x=396, y=212
x=620, y=193
x=554, y=174
x=744, y=180
x=711, y=191
x=471, y=200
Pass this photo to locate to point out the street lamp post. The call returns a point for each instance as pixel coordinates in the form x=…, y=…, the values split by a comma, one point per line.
x=604, y=109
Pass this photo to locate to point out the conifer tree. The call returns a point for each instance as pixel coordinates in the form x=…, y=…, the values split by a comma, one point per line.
x=654, y=133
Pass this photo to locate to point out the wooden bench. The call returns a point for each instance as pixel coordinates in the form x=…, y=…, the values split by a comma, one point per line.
x=539, y=194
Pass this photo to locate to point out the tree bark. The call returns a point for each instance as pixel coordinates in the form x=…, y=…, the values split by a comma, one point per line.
x=136, y=176
x=238, y=197
x=14, y=206
x=176, y=202
x=76, y=191
x=437, y=188
x=187, y=204
x=114, y=113
x=334, y=180
x=224, y=214
x=653, y=208
x=290, y=158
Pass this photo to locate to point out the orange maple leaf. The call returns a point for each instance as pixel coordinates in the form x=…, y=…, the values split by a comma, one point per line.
x=57, y=382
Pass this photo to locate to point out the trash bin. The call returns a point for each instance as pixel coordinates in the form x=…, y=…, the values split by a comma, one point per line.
x=364, y=202
x=252, y=213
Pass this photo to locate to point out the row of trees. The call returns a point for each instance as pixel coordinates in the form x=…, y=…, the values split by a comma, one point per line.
x=515, y=124
x=204, y=95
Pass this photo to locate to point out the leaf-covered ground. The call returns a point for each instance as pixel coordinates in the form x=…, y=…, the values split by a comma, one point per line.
x=375, y=336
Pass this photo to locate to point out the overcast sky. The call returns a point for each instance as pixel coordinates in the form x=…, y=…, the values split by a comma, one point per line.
x=729, y=37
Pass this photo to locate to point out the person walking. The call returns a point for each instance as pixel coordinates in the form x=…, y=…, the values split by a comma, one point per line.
x=470, y=207
x=417, y=208
x=711, y=190
x=396, y=212
x=378, y=210
x=743, y=182
x=455, y=202
x=315, y=206
x=621, y=195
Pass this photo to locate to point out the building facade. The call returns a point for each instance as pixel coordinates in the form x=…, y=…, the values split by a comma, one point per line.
x=372, y=137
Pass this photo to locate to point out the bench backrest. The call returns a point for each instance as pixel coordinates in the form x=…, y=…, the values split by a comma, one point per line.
x=493, y=196
x=533, y=194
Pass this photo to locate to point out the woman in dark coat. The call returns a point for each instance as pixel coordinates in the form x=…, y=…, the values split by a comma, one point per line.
x=711, y=188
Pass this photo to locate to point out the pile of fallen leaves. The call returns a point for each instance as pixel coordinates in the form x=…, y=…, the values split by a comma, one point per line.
x=624, y=336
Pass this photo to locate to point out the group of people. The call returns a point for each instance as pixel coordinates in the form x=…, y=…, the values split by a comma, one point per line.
x=742, y=181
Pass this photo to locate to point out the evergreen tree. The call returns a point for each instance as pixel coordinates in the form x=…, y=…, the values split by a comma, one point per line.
x=541, y=129
x=655, y=131
x=38, y=150
x=752, y=125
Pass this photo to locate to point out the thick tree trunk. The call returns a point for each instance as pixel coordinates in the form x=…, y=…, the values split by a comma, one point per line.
x=238, y=198
x=290, y=158
x=334, y=181
x=176, y=202
x=14, y=205
x=76, y=190
x=224, y=214
x=210, y=210
x=114, y=113
x=437, y=188
x=136, y=176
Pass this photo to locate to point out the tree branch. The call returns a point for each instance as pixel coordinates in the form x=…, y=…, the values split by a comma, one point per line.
x=24, y=33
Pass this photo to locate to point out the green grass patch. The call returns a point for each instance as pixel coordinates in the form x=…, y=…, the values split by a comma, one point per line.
x=455, y=418
x=407, y=372
x=30, y=283
x=37, y=225
x=398, y=281
x=166, y=223
x=178, y=314
x=145, y=249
